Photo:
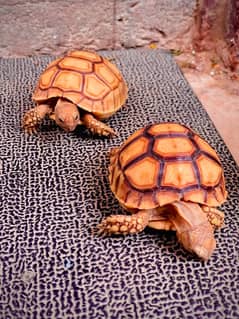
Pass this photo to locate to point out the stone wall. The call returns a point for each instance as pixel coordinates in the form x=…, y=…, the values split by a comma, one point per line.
x=30, y=27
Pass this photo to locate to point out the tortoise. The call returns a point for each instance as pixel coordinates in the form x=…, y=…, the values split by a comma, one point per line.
x=168, y=178
x=79, y=88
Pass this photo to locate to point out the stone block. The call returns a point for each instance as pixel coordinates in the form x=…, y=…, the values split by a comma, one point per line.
x=53, y=27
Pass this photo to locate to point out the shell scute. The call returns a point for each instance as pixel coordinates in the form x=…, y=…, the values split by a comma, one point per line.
x=163, y=128
x=47, y=80
x=139, y=147
x=105, y=74
x=68, y=80
x=210, y=172
x=178, y=174
x=143, y=173
x=95, y=88
x=173, y=146
x=74, y=64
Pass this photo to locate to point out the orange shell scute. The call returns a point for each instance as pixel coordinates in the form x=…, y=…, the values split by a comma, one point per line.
x=68, y=80
x=163, y=163
x=165, y=128
x=106, y=75
x=113, y=68
x=94, y=87
x=74, y=64
x=133, y=150
x=197, y=197
x=210, y=176
x=143, y=174
x=178, y=174
x=107, y=101
x=46, y=80
x=206, y=147
x=166, y=197
x=73, y=96
x=86, y=103
x=117, y=96
x=173, y=146
x=87, y=80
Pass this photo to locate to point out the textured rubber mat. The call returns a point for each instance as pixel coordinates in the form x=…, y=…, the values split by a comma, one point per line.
x=54, y=191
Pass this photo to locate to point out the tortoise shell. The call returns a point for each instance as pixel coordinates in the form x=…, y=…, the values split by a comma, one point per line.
x=86, y=79
x=163, y=163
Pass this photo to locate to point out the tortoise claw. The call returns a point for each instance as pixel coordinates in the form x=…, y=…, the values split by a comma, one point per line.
x=103, y=130
x=109, y=133
x=32, y=130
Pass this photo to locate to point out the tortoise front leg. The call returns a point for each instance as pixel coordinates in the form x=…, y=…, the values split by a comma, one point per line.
x=124, y=224
x=214, y=215
x=96, y=126
x=34, y=117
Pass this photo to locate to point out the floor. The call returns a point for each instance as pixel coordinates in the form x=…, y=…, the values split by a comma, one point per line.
x=220, y=97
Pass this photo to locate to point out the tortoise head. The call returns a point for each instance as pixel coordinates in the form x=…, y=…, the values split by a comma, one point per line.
x=67, y=115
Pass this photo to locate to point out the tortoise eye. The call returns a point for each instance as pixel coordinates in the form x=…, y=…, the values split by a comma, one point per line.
x=61, y=120
x=77, y=117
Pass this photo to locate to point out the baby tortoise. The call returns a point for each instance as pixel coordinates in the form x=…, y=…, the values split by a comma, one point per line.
x=168, y=178
x=81, y=88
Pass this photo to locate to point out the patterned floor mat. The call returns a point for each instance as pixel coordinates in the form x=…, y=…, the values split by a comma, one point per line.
x=54, y=191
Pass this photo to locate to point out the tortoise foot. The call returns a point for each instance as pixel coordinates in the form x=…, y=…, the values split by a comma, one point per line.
x=215, y=216
x=31, y=121
x=102, y=130
x=97, y=127
x=122, y=224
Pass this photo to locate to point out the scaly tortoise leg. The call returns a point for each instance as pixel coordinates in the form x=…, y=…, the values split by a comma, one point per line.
x=124, y=224
x=96, y=126
x=34, y=117
x=214, y=215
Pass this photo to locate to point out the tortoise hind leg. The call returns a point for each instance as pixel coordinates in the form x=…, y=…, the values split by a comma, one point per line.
x=96, y=126
x=34, y=117
x=193, y=229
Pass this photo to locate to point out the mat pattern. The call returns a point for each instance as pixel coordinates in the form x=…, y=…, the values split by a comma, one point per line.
x=54, y=191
